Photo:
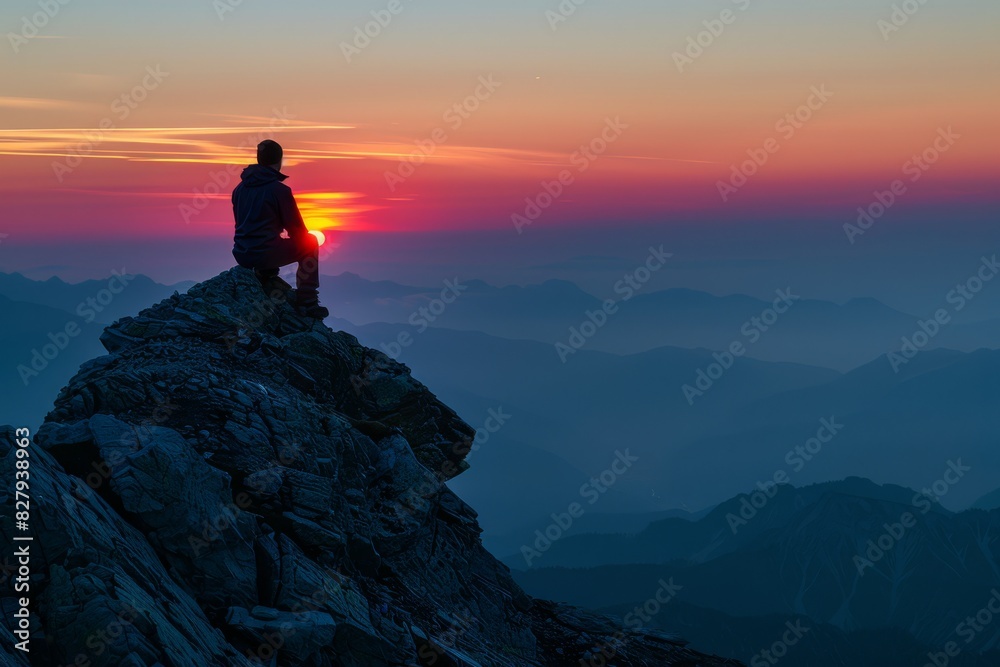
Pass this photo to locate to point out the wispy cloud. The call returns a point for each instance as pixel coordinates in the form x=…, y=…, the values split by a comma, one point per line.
x=37, y=103
x=200, y=145
x=229, y=144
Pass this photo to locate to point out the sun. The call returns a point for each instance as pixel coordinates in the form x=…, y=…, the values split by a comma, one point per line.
x=320, y=236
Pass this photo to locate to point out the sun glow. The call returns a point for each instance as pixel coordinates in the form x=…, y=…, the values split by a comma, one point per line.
x=320, y=236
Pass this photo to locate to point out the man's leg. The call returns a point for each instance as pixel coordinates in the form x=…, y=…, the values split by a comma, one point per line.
x=305, y=252
x=307, y=275
x=270, y=261
x=307, y=280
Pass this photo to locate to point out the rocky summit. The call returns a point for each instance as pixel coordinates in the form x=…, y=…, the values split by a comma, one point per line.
x=236, y=485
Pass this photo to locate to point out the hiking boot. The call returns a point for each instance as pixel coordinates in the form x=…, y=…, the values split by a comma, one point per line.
x=306, y=304
x=315, y=311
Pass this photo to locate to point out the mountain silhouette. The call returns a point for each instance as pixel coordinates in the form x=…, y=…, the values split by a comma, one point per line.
x=841, y=556
x=812, y=332
x=235, y=485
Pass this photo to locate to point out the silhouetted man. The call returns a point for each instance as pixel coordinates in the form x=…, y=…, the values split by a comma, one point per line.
x=264, y=207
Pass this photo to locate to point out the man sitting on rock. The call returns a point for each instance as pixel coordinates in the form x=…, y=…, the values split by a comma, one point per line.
x=264, y=208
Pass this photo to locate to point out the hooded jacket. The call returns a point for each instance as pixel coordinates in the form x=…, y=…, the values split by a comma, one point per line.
x=263, y=207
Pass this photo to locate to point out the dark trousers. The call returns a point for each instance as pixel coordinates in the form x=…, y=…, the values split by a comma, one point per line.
x=305, y=251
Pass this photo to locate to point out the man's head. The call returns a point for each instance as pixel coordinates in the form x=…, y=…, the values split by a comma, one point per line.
x=269, y=154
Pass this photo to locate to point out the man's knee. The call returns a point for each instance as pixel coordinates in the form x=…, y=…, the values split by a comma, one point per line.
x=309, y=245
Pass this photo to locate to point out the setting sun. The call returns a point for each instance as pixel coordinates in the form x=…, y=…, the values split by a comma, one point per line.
x=320, y=236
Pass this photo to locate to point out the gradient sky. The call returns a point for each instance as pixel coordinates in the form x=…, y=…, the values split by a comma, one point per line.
x=345, y=124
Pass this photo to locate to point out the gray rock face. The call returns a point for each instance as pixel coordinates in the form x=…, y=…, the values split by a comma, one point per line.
x=236, y=485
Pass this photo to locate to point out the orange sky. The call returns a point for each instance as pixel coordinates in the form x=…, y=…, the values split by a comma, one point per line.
x=169, y=96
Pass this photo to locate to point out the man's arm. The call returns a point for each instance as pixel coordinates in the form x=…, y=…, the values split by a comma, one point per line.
x=291, y=219
x=236, y=215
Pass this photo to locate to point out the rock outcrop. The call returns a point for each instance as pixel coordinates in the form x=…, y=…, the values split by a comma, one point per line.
x=235, y=485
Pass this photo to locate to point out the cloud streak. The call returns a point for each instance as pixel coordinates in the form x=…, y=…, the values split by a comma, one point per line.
x=208, y=145
x=41, y=104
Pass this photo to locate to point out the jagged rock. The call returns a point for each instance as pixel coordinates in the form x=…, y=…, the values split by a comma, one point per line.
x=236, y=485
x=297, y=636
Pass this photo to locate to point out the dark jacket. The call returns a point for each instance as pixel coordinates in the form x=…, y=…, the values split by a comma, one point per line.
x=264, y=206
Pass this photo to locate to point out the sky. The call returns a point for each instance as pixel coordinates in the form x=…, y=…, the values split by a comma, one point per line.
x=448, y=128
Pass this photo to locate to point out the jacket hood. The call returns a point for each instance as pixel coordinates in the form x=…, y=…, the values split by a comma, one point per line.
x=256, y=175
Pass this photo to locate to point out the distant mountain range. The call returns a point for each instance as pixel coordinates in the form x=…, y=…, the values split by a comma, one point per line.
x=581, y=413
x=39, y=356
x=744, y=431
x=568, y=420
x=811, y=332
x=108, y=299
x=36, y=366
x=851, y=560
x=766, y=423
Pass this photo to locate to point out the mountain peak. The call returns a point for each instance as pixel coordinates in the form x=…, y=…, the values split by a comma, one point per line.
x=243, y=485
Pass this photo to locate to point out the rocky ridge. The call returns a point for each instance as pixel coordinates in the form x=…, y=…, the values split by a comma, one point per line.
x=236, y=485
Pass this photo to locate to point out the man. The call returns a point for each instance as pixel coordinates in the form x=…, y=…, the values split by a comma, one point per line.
x=264, y=207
